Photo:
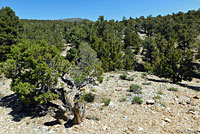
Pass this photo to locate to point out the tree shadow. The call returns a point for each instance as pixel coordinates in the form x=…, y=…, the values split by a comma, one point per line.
x=19, y=109
x=190, y=87
x=154, y=80
x=69, y=124
x=196, y=88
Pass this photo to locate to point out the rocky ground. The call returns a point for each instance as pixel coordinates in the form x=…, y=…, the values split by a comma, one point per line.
x=162, y=111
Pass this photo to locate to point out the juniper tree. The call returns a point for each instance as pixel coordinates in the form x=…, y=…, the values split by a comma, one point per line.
x=171, y=62
x=10, y=27
x=34, y=70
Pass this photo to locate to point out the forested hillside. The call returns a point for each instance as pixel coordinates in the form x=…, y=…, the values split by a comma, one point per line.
x=117, y=43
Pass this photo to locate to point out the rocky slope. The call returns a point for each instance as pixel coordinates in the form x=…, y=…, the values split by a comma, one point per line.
x=162, y=111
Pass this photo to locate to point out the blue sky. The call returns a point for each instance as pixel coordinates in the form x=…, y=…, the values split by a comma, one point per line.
x=92, y=9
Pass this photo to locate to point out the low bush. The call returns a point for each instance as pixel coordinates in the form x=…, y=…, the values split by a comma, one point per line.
x=123, y=99
x=137, y=100
x=106, y=101
x=146, y=83
x=93, y=90
x=124, y=76
x=172, y=89
x=135, y=89
x=100, y=79
x=158, y=97
x=144, y=75
x=89, y=97
x=160, y=92
x=191, y=110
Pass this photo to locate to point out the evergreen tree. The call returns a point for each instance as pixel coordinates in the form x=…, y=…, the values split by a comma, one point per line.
x=34, y=70
x=129, y=59
x=171, y=62
x=10, y=27
x=85, y=66
x=132, y=39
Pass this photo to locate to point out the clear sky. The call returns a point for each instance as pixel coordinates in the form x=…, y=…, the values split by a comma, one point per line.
x=92, y=9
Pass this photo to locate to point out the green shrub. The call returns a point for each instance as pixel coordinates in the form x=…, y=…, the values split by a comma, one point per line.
x=144, y=75
x=100, y=79
x=123, y=76
x=157, y=97
x=163, y=104
x=160, y=92
x=172, y=89
x=135, y=89
x=93, y=89
x=130, y=78
x=89, y=97
x=106, y=101
x=191, y=110
x=146, y=83
x=123, y=99
x=108, y=78
x=137, y=100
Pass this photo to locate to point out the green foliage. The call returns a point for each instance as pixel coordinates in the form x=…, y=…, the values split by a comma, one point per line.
x=172, y=89
x=170, y=62
x=10, y=28
x=137, y=100
x=86, y=65
x=89, y=97
x=157, y=97
x=198, y=55
x=75, y=34
x=146, y=83
x=106, y=101
x=132, y=39
x=163, y=104
x=34, y=70
x=123, y=99
x=100, y=79
x=144, y=75
x=50, y=31
x=124, y=76
x=160, y=92
x=135, y=89
x=129, y=59
x=93, y=89
x=191, y=110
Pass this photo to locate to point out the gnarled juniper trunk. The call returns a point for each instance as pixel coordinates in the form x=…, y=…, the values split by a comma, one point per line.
x=72, y=107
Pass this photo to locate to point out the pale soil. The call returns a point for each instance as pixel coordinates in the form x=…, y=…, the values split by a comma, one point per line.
x=169, y=114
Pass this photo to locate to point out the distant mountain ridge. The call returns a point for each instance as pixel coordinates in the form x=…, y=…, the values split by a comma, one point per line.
x=72, y=19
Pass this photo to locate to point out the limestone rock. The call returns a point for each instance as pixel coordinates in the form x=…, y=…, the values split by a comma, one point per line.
x=150, y=102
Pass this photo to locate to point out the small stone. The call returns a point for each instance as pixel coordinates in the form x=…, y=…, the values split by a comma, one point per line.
x=105, y=128
x=126, y=117
x=140, y=128
x=168, y=109
x=167, y=120
x=112, y=104
x=192, y=112
x=150, y=102
x=182, y=103
x=176, y=99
